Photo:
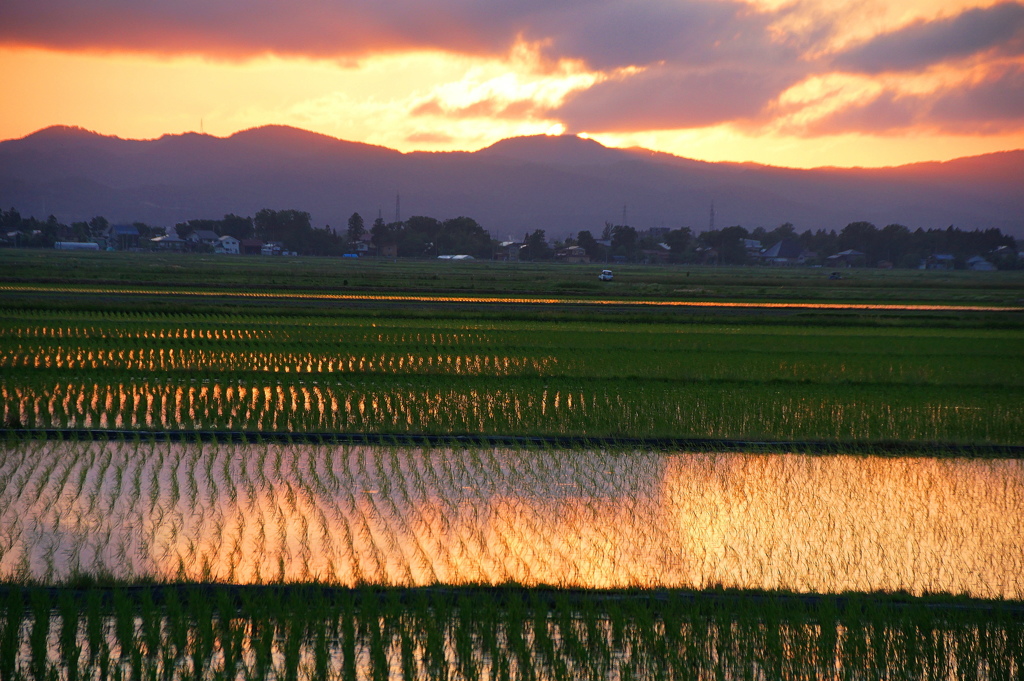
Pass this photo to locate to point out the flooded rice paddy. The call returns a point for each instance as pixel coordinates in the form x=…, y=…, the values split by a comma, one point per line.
x=404, y=516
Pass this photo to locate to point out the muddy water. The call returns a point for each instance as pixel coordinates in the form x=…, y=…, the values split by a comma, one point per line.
x=414, y=516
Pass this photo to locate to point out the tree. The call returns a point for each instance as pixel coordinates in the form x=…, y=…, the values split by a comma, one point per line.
x=728, y=243
x=859, y=236
x=680, y=242
x=98, y=226
x=238, y=227
x=536, y=246
x=383, y=234
x=624, y=241
x=589, y=244
x=464, y=235
x=356, y=228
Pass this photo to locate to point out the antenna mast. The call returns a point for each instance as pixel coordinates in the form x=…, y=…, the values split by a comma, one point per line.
x=398, y=205
x=712, y=223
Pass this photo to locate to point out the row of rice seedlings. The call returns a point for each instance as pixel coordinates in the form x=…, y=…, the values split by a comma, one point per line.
x=590, y=519
x=147, y=361
x=525, y=406
x=313, y=634
x=439, y=331
x=677, y=355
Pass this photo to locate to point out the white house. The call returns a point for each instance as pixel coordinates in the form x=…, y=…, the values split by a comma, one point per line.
x=204, y=236
x=226, y=244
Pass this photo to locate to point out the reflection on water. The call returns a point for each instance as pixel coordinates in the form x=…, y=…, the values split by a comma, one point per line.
x=471, y=635
x=520, y=300
x=410, y=516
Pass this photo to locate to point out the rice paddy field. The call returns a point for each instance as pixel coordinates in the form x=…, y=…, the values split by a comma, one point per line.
x=391, y=471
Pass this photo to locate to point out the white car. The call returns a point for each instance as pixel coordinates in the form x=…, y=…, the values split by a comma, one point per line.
x=606, y=275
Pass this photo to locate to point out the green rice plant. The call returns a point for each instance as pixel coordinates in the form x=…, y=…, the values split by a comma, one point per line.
x=10, y=632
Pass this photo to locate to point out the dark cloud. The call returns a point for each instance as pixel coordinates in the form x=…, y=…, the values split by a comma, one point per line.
x=885, y=113
x=993, y=105
x=604, y=33
x=667, y=98
x=999, y=28
x=610, y=35
x=247, y=28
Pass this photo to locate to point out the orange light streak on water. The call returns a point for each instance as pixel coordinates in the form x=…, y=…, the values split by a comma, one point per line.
x=527, y=300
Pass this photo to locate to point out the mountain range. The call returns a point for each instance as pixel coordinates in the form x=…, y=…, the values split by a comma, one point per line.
x=561, y=184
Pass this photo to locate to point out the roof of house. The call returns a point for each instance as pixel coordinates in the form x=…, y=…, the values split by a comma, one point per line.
x=227, y=237
x=787, y=248
x=205, y=235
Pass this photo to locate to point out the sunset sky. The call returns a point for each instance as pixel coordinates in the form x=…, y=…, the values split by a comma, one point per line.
x=798, y=83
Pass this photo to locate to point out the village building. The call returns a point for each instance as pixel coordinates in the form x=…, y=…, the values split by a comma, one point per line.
x=572, y=254
x=847, y=258
x=980, y=264
x=122, y=237
x=227, y=244
x=167, y=243
x=785, y=252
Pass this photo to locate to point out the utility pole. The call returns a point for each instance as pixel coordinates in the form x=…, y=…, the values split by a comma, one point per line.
x=398, y=206
x=712, y=223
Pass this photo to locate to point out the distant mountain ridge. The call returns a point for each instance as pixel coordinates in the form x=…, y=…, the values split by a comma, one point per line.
x=561, y=184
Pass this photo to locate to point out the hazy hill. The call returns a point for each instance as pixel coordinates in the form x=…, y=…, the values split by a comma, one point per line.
x=559, y=184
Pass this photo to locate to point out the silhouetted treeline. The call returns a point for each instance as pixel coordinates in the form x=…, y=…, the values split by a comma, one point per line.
x=427, y=237
x=894, y=244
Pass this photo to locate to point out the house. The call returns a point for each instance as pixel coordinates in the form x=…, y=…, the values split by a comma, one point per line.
x=204, y=236
x=122, y=237
x=574, y=254
x=658, y=255
x=847, y=258
x=508, y=251
x=979, y=264
x=939, y=261
x=227, y=244
x=168, y=243
x=359, y=249
x=785, y=252
x=250, y=246
x=272, y=248
x=753, y=248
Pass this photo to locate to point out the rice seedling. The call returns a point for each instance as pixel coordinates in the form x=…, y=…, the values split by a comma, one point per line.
x=601, y=379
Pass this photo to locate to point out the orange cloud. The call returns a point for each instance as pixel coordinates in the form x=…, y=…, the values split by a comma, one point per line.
x=398, y=74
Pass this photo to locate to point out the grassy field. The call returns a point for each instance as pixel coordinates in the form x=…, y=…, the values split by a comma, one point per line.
x=337, y=275
x=144, y=343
